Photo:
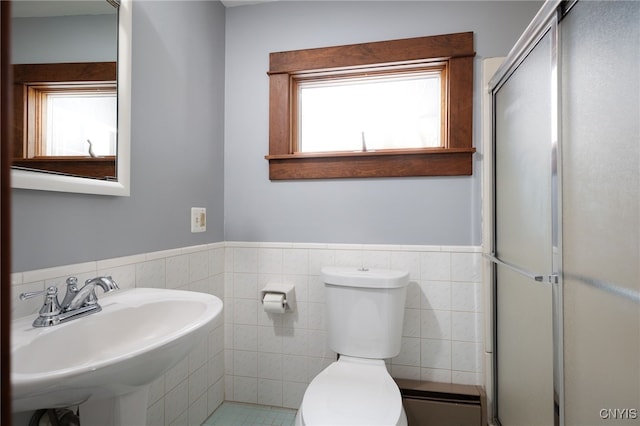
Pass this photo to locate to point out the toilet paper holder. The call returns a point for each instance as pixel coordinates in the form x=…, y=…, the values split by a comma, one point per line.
x=287, y=290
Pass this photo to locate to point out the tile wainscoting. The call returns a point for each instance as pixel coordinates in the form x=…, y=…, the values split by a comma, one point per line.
x=269, y=359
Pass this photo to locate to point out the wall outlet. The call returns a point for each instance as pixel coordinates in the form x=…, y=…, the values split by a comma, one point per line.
x=198, y=219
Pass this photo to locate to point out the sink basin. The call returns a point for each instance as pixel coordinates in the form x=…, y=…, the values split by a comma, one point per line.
x=139, y=335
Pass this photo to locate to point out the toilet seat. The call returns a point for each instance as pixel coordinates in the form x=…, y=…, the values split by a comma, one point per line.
x=353, y=391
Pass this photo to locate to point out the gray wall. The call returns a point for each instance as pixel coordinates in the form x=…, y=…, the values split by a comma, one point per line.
x=439, y=211
x=176, y=151
x=83, y=38
x=179, y=114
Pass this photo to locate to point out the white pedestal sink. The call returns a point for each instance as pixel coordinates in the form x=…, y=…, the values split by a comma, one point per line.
x=105, y=362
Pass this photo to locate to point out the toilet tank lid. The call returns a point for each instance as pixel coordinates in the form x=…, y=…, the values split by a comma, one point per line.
x=367, y=278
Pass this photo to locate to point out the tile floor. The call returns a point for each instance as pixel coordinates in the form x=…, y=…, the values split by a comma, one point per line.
x=240, y=414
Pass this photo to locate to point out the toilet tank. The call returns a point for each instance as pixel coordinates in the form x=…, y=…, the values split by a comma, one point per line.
x=365, y=310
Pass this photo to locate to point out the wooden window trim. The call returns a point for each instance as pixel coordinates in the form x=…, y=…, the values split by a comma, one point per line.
x=28, y=79
x=454, y=159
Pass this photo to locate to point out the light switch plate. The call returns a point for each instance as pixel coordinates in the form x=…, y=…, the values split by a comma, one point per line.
x=198, y=219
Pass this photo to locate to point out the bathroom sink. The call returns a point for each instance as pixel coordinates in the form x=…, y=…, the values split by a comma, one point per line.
x=138, y=336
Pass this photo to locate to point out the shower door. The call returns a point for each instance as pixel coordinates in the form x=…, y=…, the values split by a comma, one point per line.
x=523, y=244
x=601, y=210
x=565, y=250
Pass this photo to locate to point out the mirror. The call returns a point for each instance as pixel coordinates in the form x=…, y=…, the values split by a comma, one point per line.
x=52, y=180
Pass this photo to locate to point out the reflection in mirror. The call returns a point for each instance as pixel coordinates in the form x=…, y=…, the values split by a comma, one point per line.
x=71, y=95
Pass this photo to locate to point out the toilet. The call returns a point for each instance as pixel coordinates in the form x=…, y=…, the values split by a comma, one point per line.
x=365, y=313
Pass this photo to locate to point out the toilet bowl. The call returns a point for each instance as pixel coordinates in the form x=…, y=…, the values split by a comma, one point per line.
x=365, y=310
x=352, y=391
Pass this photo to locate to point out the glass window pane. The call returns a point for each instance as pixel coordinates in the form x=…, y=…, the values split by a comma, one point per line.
x=73, y=119
x=387, y=112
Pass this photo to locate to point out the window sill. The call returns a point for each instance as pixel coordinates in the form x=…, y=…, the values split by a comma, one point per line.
x=98, y=168
x=387, y=163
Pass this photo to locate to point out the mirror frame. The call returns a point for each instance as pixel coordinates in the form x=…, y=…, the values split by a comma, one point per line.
x=60, y=183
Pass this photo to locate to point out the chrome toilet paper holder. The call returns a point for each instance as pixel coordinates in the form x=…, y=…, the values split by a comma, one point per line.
x=287, y=290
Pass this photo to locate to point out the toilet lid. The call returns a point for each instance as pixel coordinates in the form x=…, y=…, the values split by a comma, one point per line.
x=352, y=391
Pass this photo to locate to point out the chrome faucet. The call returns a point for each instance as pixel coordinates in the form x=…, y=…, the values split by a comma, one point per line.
x=77, y=303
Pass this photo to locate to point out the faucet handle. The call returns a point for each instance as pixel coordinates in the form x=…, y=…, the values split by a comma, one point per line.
x=72, y=282
x=50, y=290
x=72, y=290
x=50, y=311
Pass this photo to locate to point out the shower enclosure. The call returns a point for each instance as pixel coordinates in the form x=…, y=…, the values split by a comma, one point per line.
x=565, y=223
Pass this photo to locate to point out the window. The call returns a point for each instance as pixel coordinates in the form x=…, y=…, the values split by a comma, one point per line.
x=78, y=122
x=393, y=108
x=66, y=118
x=366, y=113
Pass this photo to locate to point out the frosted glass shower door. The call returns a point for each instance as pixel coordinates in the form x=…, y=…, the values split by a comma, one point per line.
x=523, y=241
x=601, y=212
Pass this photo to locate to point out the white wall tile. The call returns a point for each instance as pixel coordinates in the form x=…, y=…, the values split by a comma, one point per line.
x=295, y=341
x=295, y=261
x=176, y=375
x=292, y=393
x=270, y=392
x=316, y=289
x=198, y=411
x=436, y=354
x=177, y=272
x=349, y=258
x=198, y=356
x=270, y=261
x=466, y=267
x=466, y=326
x=294, y=368
x=265, y=358
x=436, y=375
x=151, y=274
x=245, y=311
x=435, y=266
x=407, y=261
x=245, y=260
x=319, y=258
x=198, y=266
x=176, y=401
x=270, y=366
x=318, y=344
x=198, y=385
x=156, y=390
x=245, y=363
x=405, y=372
x=435, y=324
x=245, y=389
x=245, y=337
x=215, y=396
x=409, y=353
x=155, y=413
x=465, y=356
x=215, y=367
x=435, y=295
x=216, y=261
x=376, y=259
x=414, y=295
x=245, y=286
x=412, y=323
x=466, y=296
